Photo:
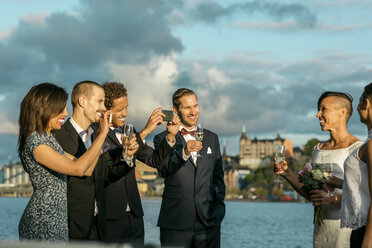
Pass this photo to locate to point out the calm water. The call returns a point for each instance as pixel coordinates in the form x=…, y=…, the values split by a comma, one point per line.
x=246, y=224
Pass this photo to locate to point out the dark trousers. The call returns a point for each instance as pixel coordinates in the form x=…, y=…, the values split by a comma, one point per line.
x=357, y=236
x=94, y=234
x=127, y=229
x=200, y=236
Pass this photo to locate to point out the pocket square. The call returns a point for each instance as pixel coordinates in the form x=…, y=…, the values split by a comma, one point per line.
x=105, y=147
x=209, y=150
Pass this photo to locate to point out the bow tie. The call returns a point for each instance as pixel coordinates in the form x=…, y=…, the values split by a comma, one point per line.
x=118, y=130
x=184, y=132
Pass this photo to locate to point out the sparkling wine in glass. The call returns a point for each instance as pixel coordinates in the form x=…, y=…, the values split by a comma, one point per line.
x=199, y=136
x=279, y=158
x=127, y=136
x=327, y=170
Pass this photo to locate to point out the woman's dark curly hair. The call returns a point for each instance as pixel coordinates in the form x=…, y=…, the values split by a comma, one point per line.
x=113, y=90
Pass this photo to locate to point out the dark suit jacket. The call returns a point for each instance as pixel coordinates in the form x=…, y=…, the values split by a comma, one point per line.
x=192, y=191
x=125, y=190
x=82, y=191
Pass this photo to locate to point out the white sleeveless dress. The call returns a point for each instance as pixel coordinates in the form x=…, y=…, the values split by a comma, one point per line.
x=330, y=234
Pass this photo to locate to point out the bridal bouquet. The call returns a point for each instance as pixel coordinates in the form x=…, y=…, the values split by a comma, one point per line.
x=312, y=177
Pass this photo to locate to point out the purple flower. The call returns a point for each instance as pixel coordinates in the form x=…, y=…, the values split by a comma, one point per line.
x=308, y=167
x=300, y=173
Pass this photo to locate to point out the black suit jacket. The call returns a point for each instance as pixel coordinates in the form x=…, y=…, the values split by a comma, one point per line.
x=125, y=190
x=191, y=190
x=82, y=191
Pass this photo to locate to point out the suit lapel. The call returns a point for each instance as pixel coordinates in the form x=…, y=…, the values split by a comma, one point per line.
x=74, y=136
x=112, y=136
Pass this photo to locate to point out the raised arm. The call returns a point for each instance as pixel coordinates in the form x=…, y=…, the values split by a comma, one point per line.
x=48, y=157
x=290, y=177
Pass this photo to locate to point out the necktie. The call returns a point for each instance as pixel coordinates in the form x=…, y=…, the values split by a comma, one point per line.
x=184, y=132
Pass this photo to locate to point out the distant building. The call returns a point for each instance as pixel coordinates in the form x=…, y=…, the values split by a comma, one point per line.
x=14, y=174
x=298, y=153
x=234, y=174
x=148, y=179
x=257, y=152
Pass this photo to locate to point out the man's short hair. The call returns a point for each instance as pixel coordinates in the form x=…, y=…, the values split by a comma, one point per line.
x=82, y=88
x=347, y=101
x=181, y=93
x=367, y=92
x=113, y=90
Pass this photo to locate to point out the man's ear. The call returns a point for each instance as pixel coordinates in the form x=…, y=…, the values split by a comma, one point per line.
x=82, y=101
x=175, y=110
x=367, y=102
x=343, y=112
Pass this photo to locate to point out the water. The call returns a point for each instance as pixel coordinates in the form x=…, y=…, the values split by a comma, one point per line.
x=246, y=224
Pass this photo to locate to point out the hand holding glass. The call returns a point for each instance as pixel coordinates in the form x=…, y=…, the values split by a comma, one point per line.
x=279, y=159
x=199, y=136
x=127, y=136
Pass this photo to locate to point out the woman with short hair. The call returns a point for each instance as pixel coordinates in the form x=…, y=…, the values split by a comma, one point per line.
x=334, y=111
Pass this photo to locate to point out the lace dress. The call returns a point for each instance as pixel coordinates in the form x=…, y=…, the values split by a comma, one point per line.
x=45, y=217
x=330, y=234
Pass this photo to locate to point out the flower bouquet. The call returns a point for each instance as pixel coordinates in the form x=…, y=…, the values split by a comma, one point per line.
x=312, y=178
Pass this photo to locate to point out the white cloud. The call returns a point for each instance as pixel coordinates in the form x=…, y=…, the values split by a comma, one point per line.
x=36, y=19
x=5, y=34
x=7, y=126
x=217, y=78
x=149, y=85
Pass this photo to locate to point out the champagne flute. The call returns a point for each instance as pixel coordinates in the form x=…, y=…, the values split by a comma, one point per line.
x=127, y=136
x=279, y=158
x=199, y=136
x=327, y=170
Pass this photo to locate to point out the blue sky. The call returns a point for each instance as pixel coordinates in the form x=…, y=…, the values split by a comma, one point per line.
x=261, y=64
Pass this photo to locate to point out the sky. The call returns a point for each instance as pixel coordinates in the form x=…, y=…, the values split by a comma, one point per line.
x=259, y=64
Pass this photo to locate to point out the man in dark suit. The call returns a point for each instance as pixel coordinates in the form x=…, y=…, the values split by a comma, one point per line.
x=85, y=196
x=123, y=203
x=192, y=207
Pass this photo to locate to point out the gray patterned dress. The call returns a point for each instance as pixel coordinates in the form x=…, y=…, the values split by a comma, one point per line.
x=45, y=217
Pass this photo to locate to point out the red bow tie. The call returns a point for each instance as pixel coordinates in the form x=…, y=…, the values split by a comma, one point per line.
x=184, y=132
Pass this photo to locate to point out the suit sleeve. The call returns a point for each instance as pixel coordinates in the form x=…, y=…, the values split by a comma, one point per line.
x=174, y=161
x=153, y=158
x=219, y=185
x=114, y=167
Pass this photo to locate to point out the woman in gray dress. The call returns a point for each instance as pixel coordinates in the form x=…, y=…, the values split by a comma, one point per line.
x=42, y=110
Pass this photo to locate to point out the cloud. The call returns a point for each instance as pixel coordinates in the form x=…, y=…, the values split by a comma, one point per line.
x=212, y=12
x=65, y=48
x=149, y=85
x=272, y=96
x=291, y=25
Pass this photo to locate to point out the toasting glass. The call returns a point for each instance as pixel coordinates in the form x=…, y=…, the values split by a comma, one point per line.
x=327, y=169
x=279, y=158
x=199, y=136
x=127, y=136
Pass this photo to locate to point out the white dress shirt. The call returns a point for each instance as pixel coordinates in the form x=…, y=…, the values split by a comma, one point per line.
x=188, y=137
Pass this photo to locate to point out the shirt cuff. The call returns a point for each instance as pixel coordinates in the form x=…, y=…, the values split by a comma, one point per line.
x=184, y=156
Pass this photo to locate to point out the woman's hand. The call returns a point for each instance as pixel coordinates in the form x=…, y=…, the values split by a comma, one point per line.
x=280, y=168
x=320, y=198
x=334, y=182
